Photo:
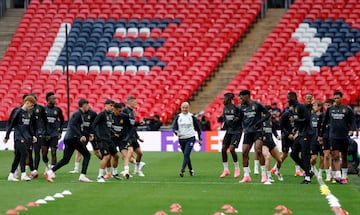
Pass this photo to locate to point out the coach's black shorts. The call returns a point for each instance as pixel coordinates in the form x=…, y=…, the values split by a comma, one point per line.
x=326, y=144
x=231, y=139
x=286, y=144
x=250, y=138
x=270, y=144
x=339, y=144
x=107, y=148
x=52, y=142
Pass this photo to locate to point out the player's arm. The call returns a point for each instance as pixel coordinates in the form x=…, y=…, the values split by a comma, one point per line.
x=238, y=116
x=33, y=128
x=73, y=122
x=274, y=131
x=323, y=125
x=283, y=121
x=265, y=117
x=197, y=127
x=320, y=122
x=100, y=117
x=175, y=126
x=62, y=120
x=351, y=123
x=12, y=122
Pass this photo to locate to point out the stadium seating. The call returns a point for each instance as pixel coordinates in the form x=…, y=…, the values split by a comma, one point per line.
x=159, y=51
x=314, y=48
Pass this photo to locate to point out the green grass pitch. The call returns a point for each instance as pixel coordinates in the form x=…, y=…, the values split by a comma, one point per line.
x=204, y=194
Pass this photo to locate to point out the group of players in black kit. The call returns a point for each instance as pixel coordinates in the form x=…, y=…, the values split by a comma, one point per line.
x=305, y=129
x=38, y=128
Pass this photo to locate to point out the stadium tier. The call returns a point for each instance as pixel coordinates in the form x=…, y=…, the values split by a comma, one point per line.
x=159, y=51
x=313, y=49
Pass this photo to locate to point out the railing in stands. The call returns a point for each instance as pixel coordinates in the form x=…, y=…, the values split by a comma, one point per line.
x=2, y=7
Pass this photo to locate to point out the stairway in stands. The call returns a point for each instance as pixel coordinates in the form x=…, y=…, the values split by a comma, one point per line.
x=8, y=24
x=240, y=55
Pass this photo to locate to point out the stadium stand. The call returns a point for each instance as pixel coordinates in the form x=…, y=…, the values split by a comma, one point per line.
x=314, y=48
x=160, y=51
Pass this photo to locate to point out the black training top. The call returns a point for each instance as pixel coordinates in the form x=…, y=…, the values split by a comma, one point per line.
x=102, y=126
x=302, y=116
x=286, y=126
x=88, y=119
x=23, y=123
x=41, y=120
x=253, y=116
x=341, y=121
x=55, y=121
x=121, y=126
x=232, y=119
x=133, y=135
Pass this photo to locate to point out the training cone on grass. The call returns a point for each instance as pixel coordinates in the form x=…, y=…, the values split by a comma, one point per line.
x=160, y=213
x=66, y=192
x=21, y=208
x=231, y=211
x=286, y=211
x=226, y=206
x=58, y=195
x=280, y=207
x=12, y=211
x=49, y=198
x=218, y=213
x=32, y=204
x=175, y=205
x=175, y=210
x=40, y=201
x=277, y=214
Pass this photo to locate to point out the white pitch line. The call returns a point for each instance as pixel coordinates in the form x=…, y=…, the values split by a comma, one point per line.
x=332, y=199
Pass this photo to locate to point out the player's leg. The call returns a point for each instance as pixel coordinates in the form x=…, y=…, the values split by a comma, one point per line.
x=114, y=161
x=344, y=161
x=314, y=151
x=78, y=157
x=54, y=141
x=285, y=147
x=276, y=154
x=138, y=163
x=104, y=149
x=15, y=162
x=37, y=149
x=267, y=157
x=233, y=145
x=108, y=169
x=30, y=161
x=23, y=152
x=256, y=164
x=295, y=152
x=68, y=152
x=321, y=164
x=224, y=148
x=248, y=141
x=335, y=159
x=44, y=152
x=327, y=160
x=305, y=158
x=258, y=150
x=82, y=150
x=96, y=149
x=130, y=151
